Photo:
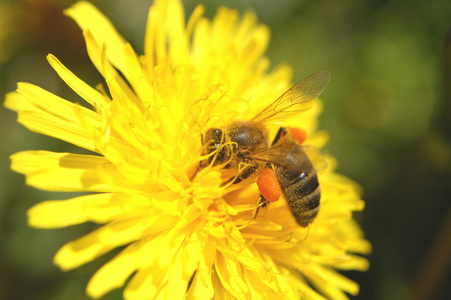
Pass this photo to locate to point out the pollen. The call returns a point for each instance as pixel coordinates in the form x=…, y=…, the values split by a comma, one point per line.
x=298, y=134
x=268, y=186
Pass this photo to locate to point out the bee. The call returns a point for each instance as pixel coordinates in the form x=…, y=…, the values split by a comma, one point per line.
x=243, y=147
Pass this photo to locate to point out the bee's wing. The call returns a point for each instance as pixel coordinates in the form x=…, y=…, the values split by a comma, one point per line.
x=298, y=98
x=292, y=156
x=316, y=157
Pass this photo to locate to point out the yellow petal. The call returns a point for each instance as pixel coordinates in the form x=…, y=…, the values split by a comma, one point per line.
x=61, y=213
x=64, y=171
x=333, y=282
x=98, y=242
x=54, y=127
x=27, y=162
x=18, y=102
x=178, y=44
x=113, y=274
x=229, y=271
x=146, y=283
x=354, y=263
x=91, y=95
x=89, y=17
x=202, y=285
x=308, y=293
x=56, y=106
x=79, y=252
x=178, y=277
x=46, y=113
x=97, y=53
x=152, y=274
x=138, y=79
x=149, y=41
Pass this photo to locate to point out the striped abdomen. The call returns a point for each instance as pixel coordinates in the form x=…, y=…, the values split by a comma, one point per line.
x=300, y=188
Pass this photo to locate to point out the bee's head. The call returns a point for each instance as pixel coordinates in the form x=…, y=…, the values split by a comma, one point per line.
x=214, y=140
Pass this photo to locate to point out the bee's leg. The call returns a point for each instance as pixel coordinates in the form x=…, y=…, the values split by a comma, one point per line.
x=280, y=134
x=248, y=171
x=296, y=134
x=262, y=202
x=245, y=173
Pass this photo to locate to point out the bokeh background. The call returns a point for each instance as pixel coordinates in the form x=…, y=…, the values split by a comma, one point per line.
x=387, y=108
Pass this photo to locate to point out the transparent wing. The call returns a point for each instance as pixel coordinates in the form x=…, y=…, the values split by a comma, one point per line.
x=298, y=98
x=294, y=157
x=316, y=157
x=280, y=155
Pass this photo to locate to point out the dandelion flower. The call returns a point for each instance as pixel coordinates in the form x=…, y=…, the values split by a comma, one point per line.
x=183, y=236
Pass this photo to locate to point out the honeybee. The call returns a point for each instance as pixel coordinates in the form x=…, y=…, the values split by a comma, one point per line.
x=243, y=146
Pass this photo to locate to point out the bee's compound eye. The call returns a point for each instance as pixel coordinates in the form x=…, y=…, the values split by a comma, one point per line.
x=213, y=136
x=298, y=134
x=216, y=133
x=213, y=141
x=269, y=186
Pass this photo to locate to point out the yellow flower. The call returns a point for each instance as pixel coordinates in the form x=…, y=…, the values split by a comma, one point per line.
x=183, y=235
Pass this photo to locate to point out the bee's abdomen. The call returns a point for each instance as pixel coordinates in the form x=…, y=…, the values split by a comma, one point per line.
x=302, y=193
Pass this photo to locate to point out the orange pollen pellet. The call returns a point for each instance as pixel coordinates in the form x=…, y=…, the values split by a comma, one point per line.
x=268, y=186
x=298, y=134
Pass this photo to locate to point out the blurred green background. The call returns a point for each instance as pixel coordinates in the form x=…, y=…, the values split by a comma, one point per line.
x=387, y=108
